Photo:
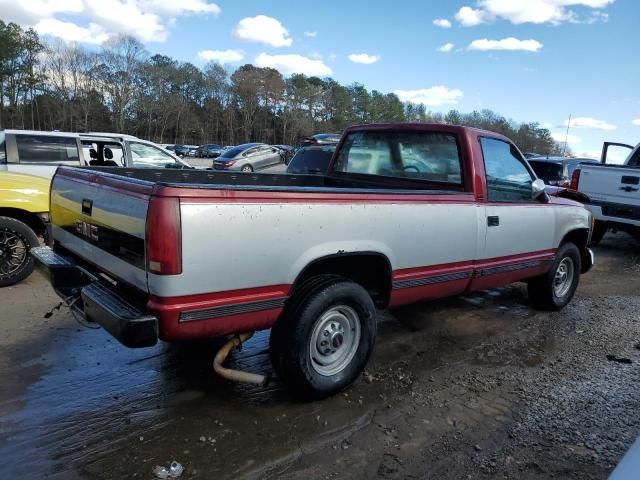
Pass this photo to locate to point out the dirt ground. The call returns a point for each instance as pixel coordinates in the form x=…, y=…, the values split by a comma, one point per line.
x=467, y=388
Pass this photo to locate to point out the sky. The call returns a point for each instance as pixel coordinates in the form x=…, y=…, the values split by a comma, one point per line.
x=529, y=60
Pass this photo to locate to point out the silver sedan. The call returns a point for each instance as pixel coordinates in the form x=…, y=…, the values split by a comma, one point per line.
x=248, y=158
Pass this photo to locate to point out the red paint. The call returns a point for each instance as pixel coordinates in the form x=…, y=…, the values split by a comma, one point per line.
x=168, y=309
x=193, y=195
x=116, y=183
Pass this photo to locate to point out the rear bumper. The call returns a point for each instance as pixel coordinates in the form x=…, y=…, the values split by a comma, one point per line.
x=100, y=303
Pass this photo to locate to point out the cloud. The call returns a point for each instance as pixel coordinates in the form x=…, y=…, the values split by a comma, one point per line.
x=548, y=125
x=221, y=56
x=99, y=20
x=364, y=58
x=531, y=11
x=171, y=7
x=442, y=23
x=432, y=97
x=263, y=29
x=293, y=63
x=311, y=34
x=446, y=48
x=70, y=32
x=636, y=122
x=571, y=139
x=510, y=43
x=469, y=17
x=588, y=122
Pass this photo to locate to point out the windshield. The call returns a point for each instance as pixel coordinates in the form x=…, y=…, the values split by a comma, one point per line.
x=311, y=160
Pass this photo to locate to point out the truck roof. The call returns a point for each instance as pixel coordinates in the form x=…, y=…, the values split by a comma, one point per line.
x=414, y=126
x=40, y=132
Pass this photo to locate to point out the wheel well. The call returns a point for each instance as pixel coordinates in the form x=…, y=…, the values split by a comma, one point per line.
x=578, y=237
x=28, y=218
x=371, y=270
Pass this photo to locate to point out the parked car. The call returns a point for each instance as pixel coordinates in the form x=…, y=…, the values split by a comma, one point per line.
x=24, y=216
x=286, y=152
x=320, y=139
x=182, y=150
x=311, y=160
x=405, y=213
x=209, y=150
x=613, y=191
x=248, y=157
x=28, y=160
x=40, y=153
x=556, y=171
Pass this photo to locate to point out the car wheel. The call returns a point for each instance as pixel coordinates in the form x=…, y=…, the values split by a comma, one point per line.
x=555, y=289
x=16, y=239
x=599, y=229
x=246, y=169
x=324, y=338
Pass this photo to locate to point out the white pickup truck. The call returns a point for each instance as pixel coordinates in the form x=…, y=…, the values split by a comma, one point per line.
x=406, y=213
x=613, y=191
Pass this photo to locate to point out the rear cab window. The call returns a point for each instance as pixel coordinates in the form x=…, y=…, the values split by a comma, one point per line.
x=432, y=157
x=47, y=149
x=548, y=171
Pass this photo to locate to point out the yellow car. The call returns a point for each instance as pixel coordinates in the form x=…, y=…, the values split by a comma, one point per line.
x=24, y=207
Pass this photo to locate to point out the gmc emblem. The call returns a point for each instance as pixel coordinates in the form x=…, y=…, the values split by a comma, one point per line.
x=87, y=230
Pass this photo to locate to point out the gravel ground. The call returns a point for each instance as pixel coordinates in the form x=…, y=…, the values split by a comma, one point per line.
x=473, y=387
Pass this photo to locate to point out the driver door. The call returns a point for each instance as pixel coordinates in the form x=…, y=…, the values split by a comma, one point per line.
x=519, y=229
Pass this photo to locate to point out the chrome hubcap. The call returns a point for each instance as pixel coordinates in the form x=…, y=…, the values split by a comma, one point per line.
x=13, y=252
x=334, y=340
x=563, y=277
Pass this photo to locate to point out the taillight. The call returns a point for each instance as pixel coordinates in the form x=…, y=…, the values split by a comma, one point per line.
x=575, y=179
x=164, y=236
x=230, y=164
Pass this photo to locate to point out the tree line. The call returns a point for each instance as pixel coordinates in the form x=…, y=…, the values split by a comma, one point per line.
x=121, y=87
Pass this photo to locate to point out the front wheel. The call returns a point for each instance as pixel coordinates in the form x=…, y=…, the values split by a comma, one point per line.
x=555, y=289
x=324, y=338
x=16, y=239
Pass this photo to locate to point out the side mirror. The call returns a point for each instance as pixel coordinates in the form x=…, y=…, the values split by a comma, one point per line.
x=537, y=189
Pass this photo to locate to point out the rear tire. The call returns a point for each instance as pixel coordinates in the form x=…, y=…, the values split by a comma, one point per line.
x=16, y=239
x=599, y=229
x=247, y=169
x=324, y=338
x=555, y=289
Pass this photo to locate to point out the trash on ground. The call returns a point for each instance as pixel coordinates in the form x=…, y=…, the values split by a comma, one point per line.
x=173, y=471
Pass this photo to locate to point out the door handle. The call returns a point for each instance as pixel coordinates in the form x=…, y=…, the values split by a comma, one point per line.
x=629, y=189
x=493, y=221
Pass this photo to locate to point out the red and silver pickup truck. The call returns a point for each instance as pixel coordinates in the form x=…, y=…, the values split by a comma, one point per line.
x=406, y=213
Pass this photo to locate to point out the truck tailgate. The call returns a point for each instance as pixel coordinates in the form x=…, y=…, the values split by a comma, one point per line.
x=101, y=219
x=615, y=188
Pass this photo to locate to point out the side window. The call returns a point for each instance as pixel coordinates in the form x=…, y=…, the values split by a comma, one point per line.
x=147, y=156
x=47, y=149
x=508, y=179
x=634, y=161
x=427, y=156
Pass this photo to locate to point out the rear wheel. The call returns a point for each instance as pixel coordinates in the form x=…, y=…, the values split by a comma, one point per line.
x=246, y=169
x=16, y=239
x=599, y=229
x=555, y=289
x=324, y=338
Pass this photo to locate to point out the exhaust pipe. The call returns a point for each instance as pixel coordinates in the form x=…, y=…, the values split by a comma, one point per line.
x=236, y=375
